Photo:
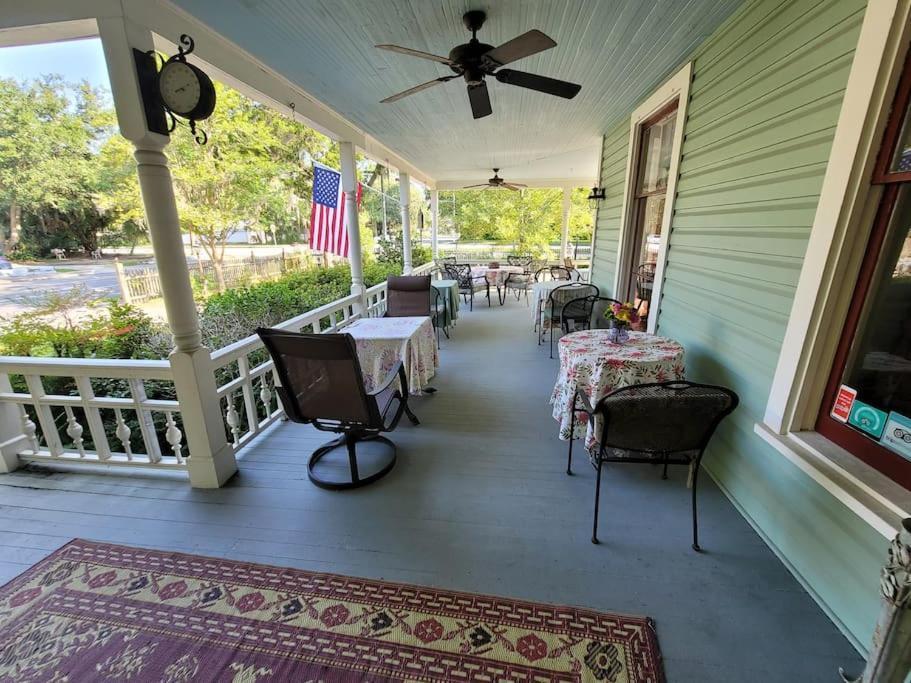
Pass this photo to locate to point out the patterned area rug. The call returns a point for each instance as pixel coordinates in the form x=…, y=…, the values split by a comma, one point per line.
x=100, y=612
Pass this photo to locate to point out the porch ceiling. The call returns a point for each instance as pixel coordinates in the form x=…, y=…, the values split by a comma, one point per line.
x=619, y=50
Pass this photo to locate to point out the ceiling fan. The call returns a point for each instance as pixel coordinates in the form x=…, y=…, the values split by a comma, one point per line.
x=497, y=182
x=474, y=60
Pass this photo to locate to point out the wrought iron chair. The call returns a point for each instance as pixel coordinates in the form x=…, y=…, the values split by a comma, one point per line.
x=597, y=321
x=468, y=284
x=439, y=314
x=581, y=312
x=552, y=315
x=542, y=274
x=520, y=260
x=647, y=423
x=645, y=282
x=560, y=273
x=320, y=383
x=517, y=283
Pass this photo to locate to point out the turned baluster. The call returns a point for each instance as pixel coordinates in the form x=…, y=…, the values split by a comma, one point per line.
x=74, y=430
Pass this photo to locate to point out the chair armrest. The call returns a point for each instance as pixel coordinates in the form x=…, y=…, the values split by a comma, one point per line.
x=397, y=370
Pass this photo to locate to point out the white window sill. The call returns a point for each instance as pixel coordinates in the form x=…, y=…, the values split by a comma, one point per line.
x=871, y=495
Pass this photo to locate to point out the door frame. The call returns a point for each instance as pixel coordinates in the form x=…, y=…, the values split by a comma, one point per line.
x=677, y=87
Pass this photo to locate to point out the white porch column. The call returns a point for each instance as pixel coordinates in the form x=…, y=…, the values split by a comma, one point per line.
x=564, y=234
x=211, y=462
x=405, y=200
x=435, y=223
x=349, y=186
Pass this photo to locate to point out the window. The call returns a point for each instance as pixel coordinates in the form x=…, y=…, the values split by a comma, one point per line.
x=655, y=151
x=867, y=404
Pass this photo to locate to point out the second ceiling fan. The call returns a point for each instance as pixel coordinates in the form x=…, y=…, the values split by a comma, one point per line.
x=475, y=60
x=496, y=183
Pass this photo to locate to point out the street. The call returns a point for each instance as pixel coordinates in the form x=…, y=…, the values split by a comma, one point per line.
x=16, y=293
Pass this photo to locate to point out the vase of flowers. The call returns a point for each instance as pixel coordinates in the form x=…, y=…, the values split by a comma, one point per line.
x=621, y=316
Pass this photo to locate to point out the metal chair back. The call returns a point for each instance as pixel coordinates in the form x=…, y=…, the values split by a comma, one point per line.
x=600, y=304
x=560, y=273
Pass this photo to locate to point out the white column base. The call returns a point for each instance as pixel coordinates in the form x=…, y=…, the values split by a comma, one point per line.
x=211, y=462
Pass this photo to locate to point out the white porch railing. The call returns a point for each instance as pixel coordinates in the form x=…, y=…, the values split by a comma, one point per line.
x=102, y=413
x=106, y=418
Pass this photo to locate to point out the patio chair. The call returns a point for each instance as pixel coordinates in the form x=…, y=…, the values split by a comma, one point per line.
x=542, y=274
x=517, y=260
x=666, y=423
x=320, y=383
x=645, y=282
x=408, y=295
x=553, y=308
x=517, y=283
x=468, y=284
x=597, y=321
x=560, y=273
x=581, y=313
x=439, y=314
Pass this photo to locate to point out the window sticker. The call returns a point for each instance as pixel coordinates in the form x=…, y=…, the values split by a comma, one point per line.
x=897, y=434
x=867, y=419
x=841, y=411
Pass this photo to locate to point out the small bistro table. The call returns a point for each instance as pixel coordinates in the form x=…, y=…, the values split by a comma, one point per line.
x=592, y=364
x=383, y=342
x=449, y=290
x=496, y=276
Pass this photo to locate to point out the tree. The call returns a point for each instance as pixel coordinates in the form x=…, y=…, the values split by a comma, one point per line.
x=247, y=174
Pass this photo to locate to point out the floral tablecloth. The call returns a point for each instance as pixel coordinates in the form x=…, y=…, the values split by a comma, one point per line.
x=592, y=364
x=495, y=276
x=382, y=342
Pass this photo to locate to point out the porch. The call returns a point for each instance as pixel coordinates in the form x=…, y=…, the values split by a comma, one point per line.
x=477, y=502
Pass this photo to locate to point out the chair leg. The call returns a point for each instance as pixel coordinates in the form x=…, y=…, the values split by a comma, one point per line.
x=664, y=473
x=572, y=430
x=695, y=518
x=597, y=501
x=551, y=339
x=351, y=443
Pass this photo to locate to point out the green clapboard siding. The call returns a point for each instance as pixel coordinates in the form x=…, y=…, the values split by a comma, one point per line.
x=613, y=177
x=766, y=93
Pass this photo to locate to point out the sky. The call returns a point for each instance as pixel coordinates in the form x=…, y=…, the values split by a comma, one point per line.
x=75, y=60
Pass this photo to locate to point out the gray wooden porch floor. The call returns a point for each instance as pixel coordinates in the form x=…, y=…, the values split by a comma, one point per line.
x=478, y=502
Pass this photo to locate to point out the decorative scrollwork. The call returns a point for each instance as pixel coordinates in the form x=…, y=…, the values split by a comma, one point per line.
x=184, y=47
x=198, y=133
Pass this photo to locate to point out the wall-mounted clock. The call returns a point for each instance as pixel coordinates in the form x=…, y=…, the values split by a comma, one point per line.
x=177, y=90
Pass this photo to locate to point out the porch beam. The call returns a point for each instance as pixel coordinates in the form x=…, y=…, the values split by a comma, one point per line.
x=564, y=231
x=405, y=202
x=435, y=223
x=211, y=462
x=349, y=187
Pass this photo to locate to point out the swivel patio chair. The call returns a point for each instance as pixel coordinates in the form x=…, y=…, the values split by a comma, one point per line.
x=552, y=312
x=468, y=283
x=408, y=295
x=517, y=283
x=666, y=423
x=320, y=383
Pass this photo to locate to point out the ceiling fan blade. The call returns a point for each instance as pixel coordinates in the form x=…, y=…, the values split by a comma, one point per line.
x=527, y=44
x=510, y=186
x=515, y=186
x=551, y=86
x=480, y=100
x=417, y=88
x=416, y=53
x=471, y=187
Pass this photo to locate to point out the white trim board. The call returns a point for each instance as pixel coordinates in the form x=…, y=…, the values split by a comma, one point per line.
x=677, y=88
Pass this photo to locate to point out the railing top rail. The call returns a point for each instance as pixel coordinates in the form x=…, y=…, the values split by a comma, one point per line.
x=86, y=367
x=231, y=352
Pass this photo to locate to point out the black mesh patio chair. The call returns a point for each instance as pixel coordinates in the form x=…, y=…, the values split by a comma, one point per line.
x=517, y=283
x=320, y=383
x=408, y=295
x=560, y=273
x=597, y=321
x=468, y=284
x=645, y=282
x=542, y=274
x=579, y=314
x=439, y=314
x=517, y=260
x=553, y=307
x=667, y=423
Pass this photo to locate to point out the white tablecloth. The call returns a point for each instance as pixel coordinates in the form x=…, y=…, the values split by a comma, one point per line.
x=495, y=276
x=539, y=293
x=383, y=342
x=596, y=366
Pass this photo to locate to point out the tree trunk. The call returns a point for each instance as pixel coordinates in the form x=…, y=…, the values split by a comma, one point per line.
x=15, y=225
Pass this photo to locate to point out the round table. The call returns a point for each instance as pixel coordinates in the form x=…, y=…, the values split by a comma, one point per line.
x=596, y=366
x=539, y=293
x=495, y=276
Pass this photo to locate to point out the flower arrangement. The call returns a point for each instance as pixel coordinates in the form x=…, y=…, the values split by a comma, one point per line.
x=621, y=317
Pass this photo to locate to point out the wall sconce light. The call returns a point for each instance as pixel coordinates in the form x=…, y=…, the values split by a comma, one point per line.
x=596, y=196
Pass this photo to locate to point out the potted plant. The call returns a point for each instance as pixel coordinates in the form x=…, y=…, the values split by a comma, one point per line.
x=621, y=317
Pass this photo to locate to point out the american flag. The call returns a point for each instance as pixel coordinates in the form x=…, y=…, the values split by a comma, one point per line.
x=327, y=212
